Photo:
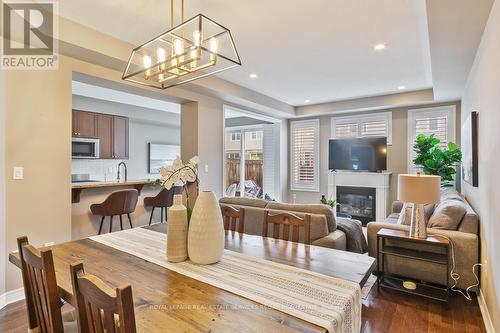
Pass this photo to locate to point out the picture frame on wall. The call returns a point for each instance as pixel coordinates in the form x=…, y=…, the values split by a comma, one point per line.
x=161, y=155
x=470, y=172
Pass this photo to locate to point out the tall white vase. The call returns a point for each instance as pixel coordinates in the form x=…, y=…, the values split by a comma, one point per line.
x=177, y=230
x=206, y=230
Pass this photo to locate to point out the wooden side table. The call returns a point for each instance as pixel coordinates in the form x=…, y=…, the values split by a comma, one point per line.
x=386, y=280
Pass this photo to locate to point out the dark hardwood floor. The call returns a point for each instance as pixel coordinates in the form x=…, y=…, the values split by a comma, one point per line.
x=385, y=311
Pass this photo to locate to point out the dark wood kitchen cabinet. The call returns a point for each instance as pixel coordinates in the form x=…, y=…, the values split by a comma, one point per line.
x=84, y=124
x=113, y=136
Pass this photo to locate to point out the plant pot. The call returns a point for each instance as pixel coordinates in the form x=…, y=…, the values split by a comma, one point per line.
x=177, y=230
x=206, y=230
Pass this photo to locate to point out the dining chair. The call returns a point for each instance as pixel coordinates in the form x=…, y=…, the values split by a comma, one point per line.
x=117, y=203
x=233, y=217
x=287, y=220
x=41, y=291
x=100, y=308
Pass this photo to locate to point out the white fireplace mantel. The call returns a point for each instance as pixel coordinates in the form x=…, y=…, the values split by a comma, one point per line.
x=381, y=181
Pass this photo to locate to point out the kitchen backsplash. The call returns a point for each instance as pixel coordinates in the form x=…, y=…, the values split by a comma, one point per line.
x=105, y=170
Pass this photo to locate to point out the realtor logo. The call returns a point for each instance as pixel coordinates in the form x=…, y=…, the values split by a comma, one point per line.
x=29, y=38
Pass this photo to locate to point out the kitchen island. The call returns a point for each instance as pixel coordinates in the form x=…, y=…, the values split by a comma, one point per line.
x=76, y=188
x=86, y=193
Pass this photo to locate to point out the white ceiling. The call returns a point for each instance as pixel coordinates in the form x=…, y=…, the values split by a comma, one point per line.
x=320, y=50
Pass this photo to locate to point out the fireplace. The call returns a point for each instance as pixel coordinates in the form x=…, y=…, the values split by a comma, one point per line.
x=358, y=202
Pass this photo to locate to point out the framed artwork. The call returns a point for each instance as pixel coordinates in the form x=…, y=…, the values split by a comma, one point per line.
x=162, y=155
x=470, y=150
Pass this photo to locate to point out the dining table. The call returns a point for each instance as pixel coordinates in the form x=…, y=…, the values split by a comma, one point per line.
x=166, y=301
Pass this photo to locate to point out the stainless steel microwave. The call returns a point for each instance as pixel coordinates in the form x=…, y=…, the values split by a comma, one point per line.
x=85, y=148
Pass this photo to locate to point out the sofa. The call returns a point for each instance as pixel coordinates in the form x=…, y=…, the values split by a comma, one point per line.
x=324, y=230
x=464, y=237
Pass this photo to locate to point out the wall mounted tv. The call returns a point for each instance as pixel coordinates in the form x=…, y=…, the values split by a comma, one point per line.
x=363, y=154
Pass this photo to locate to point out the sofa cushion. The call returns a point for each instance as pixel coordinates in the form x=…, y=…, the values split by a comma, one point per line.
x=317, y=209
x=334, y=240
x=448, y=215
x=239, y=201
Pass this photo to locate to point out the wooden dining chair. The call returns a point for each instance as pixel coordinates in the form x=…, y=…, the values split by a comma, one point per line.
x=100, y=308
x=40, y=289
x=233, y=217
x=287, y=220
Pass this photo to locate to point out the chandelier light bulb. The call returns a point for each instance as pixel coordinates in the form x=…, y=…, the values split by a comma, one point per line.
x=146, y=61
x=160, y=77
x=197, y=38
x=161, y=54
x=178, y=47
x=213, y=45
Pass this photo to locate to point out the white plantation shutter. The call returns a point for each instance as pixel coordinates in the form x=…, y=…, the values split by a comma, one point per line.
x=367, y=125
x=305, y=155
x=439, y=121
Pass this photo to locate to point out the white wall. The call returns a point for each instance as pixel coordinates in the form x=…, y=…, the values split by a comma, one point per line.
x=482, y=94
x=145, y=125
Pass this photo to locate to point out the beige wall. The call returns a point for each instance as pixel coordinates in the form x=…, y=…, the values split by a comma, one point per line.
x=482, y=94
x=397, y=153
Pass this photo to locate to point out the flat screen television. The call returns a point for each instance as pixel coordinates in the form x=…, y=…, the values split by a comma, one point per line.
x=363, y=154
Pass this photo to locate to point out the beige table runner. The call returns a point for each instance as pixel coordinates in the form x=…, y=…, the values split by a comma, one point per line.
x=329, y=302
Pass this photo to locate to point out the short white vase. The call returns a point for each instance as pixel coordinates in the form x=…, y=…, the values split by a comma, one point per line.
x=206, y=230
x=177, y=230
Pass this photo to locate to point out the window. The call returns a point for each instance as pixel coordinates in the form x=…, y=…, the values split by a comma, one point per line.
x=254, y=135
x=305, y=155
x=360, y=126
x=439, y=121
x=235, y=136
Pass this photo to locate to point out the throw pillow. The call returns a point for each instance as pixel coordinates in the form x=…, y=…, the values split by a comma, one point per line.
x=405, y=219
x=447, y=215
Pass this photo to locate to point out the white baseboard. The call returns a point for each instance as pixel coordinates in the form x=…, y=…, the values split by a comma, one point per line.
x=11, y=297
x=484, y=312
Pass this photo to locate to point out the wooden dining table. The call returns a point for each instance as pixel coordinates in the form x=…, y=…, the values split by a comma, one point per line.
x=166, y=301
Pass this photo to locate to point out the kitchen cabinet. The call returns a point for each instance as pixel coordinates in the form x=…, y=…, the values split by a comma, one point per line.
x=84, y=124
x=113, y=136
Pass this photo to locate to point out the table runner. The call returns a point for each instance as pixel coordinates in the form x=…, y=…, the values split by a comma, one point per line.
x=329, y=302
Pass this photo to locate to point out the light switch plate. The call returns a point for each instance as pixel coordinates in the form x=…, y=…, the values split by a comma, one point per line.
x=206, y=167
x=18, y=173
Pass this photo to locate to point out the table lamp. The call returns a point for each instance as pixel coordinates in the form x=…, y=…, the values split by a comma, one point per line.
x=419, y=190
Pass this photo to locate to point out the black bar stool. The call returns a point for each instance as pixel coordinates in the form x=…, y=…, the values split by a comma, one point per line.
x=162, y=200
x=117, y=203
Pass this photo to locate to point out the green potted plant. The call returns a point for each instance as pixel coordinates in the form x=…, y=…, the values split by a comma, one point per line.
x=433, y=160
x=329, y=202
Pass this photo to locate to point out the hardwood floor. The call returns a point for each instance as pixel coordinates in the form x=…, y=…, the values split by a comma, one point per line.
x=387, y=311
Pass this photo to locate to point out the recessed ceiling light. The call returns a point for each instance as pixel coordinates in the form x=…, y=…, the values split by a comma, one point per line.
x=307, y=100
x=401, y=88
x=379, y=47
x=253, y=76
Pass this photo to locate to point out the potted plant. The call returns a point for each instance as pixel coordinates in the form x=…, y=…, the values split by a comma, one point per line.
x=433, y=160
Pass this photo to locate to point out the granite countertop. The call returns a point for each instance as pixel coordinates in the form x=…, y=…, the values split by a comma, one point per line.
x=94, y=184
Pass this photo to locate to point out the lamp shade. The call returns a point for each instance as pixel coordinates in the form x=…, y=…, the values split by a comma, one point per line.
x=419, y=189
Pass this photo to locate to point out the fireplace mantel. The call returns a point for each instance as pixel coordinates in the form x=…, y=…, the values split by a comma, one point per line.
x=381, y=181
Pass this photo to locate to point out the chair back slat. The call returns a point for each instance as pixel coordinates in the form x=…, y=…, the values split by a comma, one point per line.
x=41, y=291
x=287, y=220
x=100, y=308
x=234, y=219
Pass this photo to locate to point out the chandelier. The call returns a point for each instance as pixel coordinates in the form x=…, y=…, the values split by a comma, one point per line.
x=194, y=49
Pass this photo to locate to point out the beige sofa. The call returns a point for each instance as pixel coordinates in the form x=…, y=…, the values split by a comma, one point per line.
x=324, y=230
x=465, y=243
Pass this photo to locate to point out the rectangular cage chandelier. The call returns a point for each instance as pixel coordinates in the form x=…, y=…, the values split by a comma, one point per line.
x=196, y=48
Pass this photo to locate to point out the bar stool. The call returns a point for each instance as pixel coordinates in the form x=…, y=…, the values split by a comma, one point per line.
x=117, y=203
x=162, y=200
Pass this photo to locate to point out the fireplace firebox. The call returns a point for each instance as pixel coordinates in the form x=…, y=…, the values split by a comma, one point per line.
x=358, y=202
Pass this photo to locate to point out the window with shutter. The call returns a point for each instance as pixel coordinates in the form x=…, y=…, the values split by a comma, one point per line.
x=439, y=121
x=305, y=155
x=359, y=126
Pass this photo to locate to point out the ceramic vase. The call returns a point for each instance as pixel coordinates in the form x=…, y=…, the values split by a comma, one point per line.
x=206, y=230
x=177, y=231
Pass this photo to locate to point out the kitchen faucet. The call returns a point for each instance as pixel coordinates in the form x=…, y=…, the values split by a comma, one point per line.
x=119, y=167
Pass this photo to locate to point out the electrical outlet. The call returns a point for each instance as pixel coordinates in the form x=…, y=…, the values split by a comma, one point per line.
x=18, y=173
x=206, y=168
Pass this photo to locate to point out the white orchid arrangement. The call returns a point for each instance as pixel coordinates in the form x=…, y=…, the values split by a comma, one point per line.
x=180, y=174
